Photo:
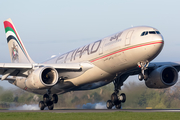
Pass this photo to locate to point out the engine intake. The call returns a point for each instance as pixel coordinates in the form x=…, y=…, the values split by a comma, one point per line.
x=48, y=76
x=42, y=78
x=162, y=77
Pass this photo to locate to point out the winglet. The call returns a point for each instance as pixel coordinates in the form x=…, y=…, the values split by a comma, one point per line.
x=17, y=50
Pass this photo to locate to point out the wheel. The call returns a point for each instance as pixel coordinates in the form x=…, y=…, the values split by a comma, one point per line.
x=50, y=105
x=140, y=76
x=118, y=106
x=114, y=98
x=46, y=98
x=109, y=104
x=123, y=97
x=54, y=98
x=41, y=105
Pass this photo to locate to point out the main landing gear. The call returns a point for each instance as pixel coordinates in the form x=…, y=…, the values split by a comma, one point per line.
x=117, y=99
x=48, y=101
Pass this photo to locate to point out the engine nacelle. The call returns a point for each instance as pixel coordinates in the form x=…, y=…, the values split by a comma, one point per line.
x=162, y=77
x=42, y=78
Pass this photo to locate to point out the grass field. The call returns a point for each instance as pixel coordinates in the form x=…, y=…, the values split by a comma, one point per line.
x=91, y=116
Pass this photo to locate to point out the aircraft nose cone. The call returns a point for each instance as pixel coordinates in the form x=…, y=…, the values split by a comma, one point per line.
x=158, y=37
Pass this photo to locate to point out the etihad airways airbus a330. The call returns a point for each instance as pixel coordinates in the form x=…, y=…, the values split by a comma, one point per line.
x=110, y=59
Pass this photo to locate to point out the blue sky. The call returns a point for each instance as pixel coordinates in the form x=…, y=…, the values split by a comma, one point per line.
x=50, y=27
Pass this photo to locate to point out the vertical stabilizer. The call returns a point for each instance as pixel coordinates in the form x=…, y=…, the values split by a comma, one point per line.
x=17, y=50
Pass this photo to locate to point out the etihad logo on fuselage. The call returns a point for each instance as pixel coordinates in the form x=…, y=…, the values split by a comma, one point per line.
x=78, y=53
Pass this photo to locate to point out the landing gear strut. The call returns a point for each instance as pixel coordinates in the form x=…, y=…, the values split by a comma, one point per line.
x=117, y=99
x=143, y=65
x=48, y=101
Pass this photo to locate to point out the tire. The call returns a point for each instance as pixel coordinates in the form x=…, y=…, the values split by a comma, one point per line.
x=123, y=97
x=114, y=98
x=41, y=105
x=118, y=106
x=54, y=98
x=140, y=76
x=46, y=98
x=50, y=105
x=109, y=104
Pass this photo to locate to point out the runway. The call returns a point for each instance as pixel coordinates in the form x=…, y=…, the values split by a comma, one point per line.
x=93, y=110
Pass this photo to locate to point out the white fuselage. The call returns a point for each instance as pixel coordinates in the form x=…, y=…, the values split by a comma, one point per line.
x=111, y=55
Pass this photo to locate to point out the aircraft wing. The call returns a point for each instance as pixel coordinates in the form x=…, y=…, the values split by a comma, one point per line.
x=174, y=64
x=155, y=74
x=14, y=69
x=22, y=69
x=155, y=65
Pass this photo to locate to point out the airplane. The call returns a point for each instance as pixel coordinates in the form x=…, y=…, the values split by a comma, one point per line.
x=110, y=59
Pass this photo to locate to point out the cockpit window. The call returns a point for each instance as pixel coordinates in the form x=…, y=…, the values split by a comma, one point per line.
x=158, y=32
x=150, y=32
x=143, y=33
x=146, y=33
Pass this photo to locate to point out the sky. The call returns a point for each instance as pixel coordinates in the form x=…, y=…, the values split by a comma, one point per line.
x=52, y=27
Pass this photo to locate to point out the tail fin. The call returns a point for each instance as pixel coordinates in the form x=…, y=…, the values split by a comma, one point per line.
x=17, y=50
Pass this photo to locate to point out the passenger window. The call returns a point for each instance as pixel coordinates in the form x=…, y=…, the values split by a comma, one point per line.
x=158, y=32
x=143, y=34
x=152, y=32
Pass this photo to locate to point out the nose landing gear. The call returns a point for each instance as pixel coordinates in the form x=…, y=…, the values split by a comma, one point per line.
x=143, y=65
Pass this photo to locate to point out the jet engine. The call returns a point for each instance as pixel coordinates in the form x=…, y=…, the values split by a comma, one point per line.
x=162, y=77
x=42, y=78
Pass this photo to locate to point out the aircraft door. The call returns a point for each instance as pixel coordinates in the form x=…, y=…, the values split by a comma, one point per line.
x=128, y=37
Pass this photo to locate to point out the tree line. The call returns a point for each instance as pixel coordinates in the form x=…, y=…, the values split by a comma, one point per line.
x=138, y=97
